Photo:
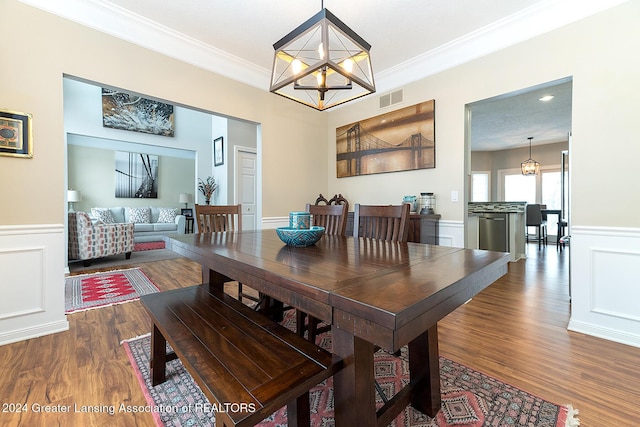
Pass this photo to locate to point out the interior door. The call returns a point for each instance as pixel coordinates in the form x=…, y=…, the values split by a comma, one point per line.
x=247, y=179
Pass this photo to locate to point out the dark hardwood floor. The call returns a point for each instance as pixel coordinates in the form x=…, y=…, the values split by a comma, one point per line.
x=515, y=330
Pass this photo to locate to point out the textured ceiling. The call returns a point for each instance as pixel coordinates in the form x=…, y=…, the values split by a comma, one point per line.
x=411, y=39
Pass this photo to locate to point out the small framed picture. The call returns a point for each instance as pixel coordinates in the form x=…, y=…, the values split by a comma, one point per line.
x=15, y=134
x=218, y=152
x=188, y=212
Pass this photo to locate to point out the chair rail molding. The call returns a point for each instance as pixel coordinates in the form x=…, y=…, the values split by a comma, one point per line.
x=605, y=266
x=32, y=259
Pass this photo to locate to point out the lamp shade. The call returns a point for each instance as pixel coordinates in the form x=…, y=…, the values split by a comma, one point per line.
x=322, y=63
x=74, y=196
x=186, y=198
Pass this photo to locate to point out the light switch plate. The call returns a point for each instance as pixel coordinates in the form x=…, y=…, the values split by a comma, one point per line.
x=454, y=196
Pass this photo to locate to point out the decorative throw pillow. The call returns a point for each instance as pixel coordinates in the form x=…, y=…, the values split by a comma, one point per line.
x=139, y=215
x=103, y=215
x=167, y=215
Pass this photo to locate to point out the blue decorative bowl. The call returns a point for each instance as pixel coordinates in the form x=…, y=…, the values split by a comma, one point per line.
x=300, y=238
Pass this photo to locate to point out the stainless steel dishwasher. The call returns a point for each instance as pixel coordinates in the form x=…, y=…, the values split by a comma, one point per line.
x=494, y=231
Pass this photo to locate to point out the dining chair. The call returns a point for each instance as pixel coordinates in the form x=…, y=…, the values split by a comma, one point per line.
x=388, y=222
x=334, y=219
x=535, y=219
x=221, y=218
x=216, y=218
x=561, y=238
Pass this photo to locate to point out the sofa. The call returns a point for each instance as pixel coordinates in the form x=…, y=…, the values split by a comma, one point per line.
x=90, y=240
x=150, y=224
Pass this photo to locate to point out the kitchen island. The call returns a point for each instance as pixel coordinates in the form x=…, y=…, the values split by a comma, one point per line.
x=511, y=230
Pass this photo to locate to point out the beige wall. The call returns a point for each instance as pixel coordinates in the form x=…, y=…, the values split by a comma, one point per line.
x=293, y=136
x=599, y=52
x=298, y=149
x=297, y=142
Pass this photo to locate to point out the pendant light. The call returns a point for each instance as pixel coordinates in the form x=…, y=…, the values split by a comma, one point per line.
x=322, y=63
x=530, y=166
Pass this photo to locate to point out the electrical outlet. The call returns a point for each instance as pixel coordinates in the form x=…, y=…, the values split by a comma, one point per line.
x=454, y=196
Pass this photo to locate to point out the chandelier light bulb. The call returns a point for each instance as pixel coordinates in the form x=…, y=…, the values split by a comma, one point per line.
x=296, y=66
x=321, y=78
x=347, y=64
x=321, y=51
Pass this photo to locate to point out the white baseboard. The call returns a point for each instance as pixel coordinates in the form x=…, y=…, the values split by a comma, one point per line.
x=33, y=332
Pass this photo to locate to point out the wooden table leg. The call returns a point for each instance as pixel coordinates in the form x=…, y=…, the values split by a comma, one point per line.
x=158, y=357
x=354, y=389
x=424, y=366
x=214, y=279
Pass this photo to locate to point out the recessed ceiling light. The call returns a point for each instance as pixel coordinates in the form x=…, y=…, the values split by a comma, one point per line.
x=546, y=98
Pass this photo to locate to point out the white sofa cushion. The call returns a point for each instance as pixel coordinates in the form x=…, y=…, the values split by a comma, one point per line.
x=138, y=215
x=103, y=215
x=142, y=227
x=159, y=226
x=167, y=215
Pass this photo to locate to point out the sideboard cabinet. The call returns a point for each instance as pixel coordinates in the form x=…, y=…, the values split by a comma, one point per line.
x=422, y=228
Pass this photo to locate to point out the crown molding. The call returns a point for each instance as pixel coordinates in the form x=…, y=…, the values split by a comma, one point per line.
x=533, y=21
x=108, y=18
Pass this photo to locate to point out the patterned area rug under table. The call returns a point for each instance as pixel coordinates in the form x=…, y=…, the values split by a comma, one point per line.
x=88, y=291
x=469, y=398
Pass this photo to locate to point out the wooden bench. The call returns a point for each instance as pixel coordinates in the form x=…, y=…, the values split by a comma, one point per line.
x=239, y=358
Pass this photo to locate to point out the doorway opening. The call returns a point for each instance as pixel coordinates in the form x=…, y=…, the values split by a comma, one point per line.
x=496, y=142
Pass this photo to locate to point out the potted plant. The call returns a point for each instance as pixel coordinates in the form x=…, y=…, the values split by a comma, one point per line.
x=207, y=188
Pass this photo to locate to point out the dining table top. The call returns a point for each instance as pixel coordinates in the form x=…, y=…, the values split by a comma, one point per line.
x=386, y=293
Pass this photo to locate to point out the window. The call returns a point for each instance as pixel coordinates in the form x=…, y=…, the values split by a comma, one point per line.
x=544, y=188
x=519, y=188
x=480, y=186
x=551, y=189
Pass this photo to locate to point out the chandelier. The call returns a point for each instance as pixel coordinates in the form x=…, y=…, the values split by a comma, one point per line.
x=322, y=63
x=530, y=166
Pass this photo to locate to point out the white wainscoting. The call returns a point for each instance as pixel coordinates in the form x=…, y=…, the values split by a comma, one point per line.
x=451, y=232
x=605, y=283
x=32, y=259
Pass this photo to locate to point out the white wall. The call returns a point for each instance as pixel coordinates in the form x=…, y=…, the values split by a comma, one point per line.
x=91, y=171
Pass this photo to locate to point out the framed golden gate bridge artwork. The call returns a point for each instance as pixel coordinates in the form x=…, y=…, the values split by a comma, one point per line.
x=396, y=141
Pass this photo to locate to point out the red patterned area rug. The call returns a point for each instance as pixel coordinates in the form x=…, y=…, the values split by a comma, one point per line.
x=88, y=291
x=469, y=398
x=148, y=246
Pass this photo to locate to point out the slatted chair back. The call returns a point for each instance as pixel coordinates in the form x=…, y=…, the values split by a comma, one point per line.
x=332, y=217
x=216, y=218
x=389, y=222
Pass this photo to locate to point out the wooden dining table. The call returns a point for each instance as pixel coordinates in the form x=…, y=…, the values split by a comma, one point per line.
x=374, y=294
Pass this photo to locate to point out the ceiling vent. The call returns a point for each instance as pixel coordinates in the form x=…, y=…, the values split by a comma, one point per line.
x=391, y=98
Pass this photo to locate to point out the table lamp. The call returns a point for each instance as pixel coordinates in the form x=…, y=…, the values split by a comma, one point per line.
x=186, y=198
x=72, y=197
